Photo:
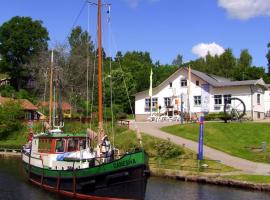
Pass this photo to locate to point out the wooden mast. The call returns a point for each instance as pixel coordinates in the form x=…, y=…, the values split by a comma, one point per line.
x=51, y=92
x=100, y=108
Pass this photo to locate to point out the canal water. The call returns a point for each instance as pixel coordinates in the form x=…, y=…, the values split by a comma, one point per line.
x=14, y=186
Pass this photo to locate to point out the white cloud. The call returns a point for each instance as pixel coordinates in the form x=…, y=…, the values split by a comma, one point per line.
x=135, y=3
x=202, y=49
x=245, y=9
x=132, y=3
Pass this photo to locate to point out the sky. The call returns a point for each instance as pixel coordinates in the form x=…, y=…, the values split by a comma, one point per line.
x=164, y=28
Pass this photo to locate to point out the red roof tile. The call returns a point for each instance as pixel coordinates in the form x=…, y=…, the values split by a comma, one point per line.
x=65, y=105
x=24, y=103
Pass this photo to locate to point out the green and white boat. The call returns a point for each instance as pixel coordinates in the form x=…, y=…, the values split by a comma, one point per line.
x=63, y=162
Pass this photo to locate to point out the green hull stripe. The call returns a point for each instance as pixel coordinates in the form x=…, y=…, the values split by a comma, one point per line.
x=129, y=160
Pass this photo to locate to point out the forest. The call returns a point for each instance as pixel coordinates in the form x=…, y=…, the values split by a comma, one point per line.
x=25, y=60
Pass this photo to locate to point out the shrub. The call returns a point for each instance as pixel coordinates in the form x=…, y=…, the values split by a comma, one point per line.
x=215, y=116
x=166, y=149
x=10, y=113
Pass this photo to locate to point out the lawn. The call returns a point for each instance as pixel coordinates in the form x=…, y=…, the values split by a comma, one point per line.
x=239, y=139
x=125, y=140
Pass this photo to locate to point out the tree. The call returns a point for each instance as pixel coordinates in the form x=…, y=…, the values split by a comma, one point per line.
x=75, y=68
x=178, y=61
x=138, y=64
x=245, y=59
x=227, y=63
x=268, y=57
x=10, y=113
x=21, y=39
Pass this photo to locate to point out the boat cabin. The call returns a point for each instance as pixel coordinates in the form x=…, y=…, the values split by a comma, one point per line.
x=59, y=143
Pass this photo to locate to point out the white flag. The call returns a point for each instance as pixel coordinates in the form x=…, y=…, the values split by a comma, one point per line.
x=150, y=88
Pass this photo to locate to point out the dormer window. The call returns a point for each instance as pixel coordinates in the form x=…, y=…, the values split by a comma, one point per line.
x=197, y=83
x=184, y=83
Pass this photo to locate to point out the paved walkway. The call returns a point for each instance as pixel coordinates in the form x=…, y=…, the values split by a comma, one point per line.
x=153, y=128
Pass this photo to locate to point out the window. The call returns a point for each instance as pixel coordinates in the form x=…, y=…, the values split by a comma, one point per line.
x=60, y=146
x=197, y=83
x=218, y=99
x=258, y=99
x=258, y=115
x=184, y=83
x=72, y=145
x=44, y=145
x=167, y=101
x=170, y=84
x=147, y=104
x=227, y=98
x=197, y=100
x=154, y=104
x=83, y=143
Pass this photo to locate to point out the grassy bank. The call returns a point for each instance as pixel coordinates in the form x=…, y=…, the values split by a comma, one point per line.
x=250, y=178
x=239, y=139
x=163, y=154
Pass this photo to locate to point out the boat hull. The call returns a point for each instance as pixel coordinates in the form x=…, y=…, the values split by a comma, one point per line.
x=123, y=183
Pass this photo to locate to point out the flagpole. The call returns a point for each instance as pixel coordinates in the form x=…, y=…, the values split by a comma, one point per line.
x=189, y=84
x=150, y=91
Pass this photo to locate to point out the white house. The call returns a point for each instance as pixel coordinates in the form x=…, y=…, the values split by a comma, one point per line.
x=203, y=94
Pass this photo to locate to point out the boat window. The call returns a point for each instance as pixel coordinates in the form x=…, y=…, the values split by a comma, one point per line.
x=60, y=146
x=83, y=143
x=73, y=144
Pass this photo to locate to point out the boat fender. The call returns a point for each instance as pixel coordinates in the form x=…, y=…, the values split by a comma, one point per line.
x=118, y=175
x=91, y=182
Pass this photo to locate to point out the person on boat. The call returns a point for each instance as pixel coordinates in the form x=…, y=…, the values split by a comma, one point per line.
x=106, y=148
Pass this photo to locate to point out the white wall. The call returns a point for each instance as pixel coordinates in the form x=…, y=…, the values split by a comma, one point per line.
x=267, y=101
x=241, y=92
x=164, y=90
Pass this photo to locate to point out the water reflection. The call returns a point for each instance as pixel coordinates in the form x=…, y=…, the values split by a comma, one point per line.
x=14, y=186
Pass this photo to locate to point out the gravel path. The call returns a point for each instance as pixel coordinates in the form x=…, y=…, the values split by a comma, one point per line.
x=153, y=128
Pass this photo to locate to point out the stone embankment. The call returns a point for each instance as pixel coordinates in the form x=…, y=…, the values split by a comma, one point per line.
x=10, y=152
x=213, y=178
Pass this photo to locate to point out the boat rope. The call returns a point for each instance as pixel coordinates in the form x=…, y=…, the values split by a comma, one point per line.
x=110, y=68
x=126, y=89
x=93, y=85
x=87, y=65
x=76, y=19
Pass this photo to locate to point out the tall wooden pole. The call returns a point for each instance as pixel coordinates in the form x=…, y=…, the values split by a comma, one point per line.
x=100, y=108
x=51, y=91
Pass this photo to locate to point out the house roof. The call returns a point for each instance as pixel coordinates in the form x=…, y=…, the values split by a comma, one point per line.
x=24, y=103
x=215, y=81
x=65, y=105
x=27, y=105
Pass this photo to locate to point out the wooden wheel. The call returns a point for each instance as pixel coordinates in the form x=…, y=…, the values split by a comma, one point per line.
x=234, y=109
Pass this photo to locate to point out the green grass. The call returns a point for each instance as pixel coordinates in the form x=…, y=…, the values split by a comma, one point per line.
x=238, y=139
x=126, y=140
x=250, y=178
x=15, y=140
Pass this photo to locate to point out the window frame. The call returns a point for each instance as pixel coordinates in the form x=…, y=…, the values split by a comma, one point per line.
x=258, y=99
x=166, y=100
x=226, y=97
x=154, y=104
x=64, y=145
x=197, y=100
x=218, y=98
x=183, y=81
